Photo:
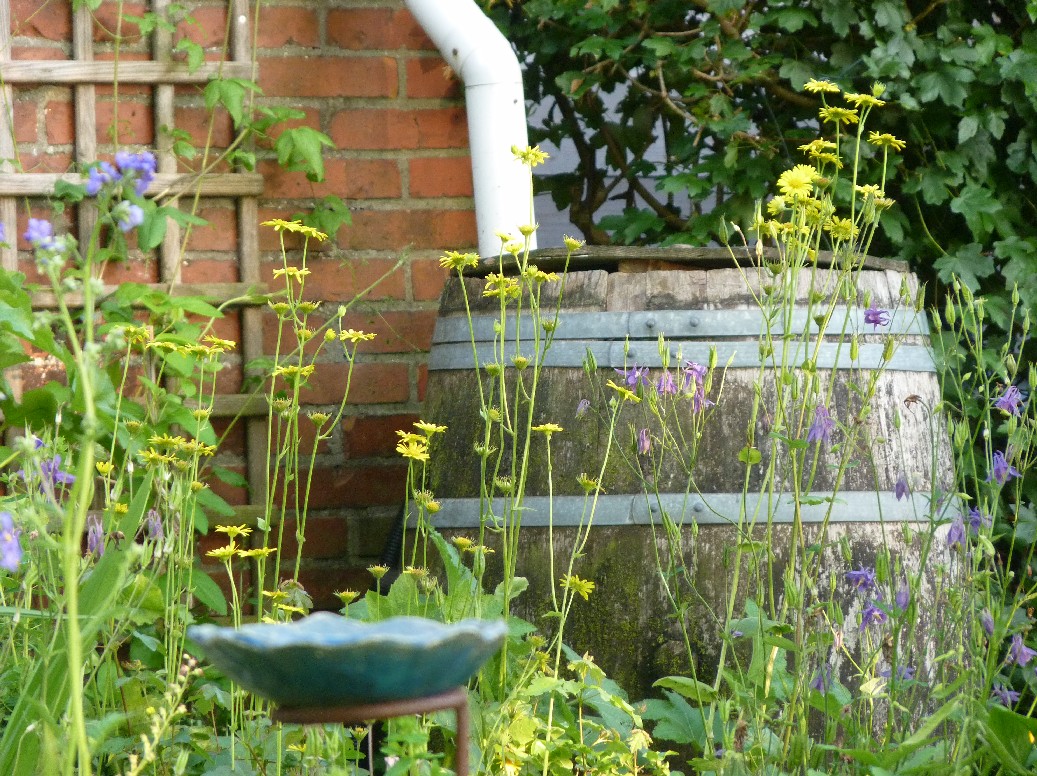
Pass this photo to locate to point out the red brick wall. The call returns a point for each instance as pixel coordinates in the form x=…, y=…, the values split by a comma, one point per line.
x=365, y=74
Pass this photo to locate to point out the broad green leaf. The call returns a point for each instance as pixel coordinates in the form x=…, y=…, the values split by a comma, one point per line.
x=693, y=690
x=205, y=589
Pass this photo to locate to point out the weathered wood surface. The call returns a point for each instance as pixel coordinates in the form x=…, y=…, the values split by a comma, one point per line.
x=634, y=258
x=251, y=293
x=639, y=643
x=90, y=72
x=229, y=184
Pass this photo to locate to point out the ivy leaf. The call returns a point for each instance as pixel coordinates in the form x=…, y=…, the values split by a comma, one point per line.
x=967, y=128
x=968, y=263
x=794, y=19
x=947, y=83
x=979, y=206
x=797, y=73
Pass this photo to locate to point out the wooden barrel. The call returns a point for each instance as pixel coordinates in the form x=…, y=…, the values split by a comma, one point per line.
x=616, y=304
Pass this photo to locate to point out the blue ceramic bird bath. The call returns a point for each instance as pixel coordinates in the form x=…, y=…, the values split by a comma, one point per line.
x=329, y=660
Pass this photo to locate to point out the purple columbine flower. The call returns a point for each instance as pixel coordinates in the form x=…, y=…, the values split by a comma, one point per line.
x=986, y=619
x=902, y=598
x=876, y=316
x=127, y=215
x=978, y=520
x=822, y=682
x=100, y=176
x=666, y=384
x=904, y=673
x=1001, y=471
x=873, y=615
x=956, y=534
x=95, y=536
x=821, y=429
x=3, y=233
x=863, y=579
x=1004, y=695
x=694, y=383
x=10, y=545
x=153, y=525
x=142, y=166
x=634, y=376
x=1018, y=653
x=40, y=232
x=53, y=476
x=1010, y=401
x=900, y=489
x=644, y=442
x=582, y=406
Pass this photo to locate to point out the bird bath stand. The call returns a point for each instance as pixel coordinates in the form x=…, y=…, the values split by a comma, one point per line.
x=331, y=669
x=365, y=713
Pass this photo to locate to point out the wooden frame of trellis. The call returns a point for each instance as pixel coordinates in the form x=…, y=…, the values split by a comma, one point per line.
x=83, y=73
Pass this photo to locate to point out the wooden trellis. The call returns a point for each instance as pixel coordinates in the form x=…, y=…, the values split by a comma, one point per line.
x=163, y=74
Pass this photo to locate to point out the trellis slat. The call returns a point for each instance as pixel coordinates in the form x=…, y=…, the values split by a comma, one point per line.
x=251, y=294
x=85, y=72
x=228, y=184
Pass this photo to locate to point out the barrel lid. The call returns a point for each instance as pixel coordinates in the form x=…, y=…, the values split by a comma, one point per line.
x=634, y=258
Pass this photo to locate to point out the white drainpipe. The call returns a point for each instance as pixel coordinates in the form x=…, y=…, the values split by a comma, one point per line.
x=484, y=61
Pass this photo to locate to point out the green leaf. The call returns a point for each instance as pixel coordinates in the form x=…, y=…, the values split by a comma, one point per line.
x=693, y=690
x=152, y=231
x=967, y=128
x=968, y=263
x=749, y=455
x=205, y=589
x=300, y=150
x=231, y=93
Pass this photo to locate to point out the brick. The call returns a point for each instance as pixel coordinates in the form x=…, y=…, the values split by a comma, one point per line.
x=25, y=119
x=338, y=281
x=288, y=25
x=360, y=486
x=427, y=278
x=55, y=162
x=232, y=440
x=348, y=178
x=235, y=496
x=289, y=341
x=375, y=436
x=323, y=537
x=441, y=177
x=300, y=77
x=397, y=331
x=59, y=117
x=134, y=120
x=106, y=22
x=209, y=27
x=229, y=380
x=209, y=271
x=369, y=29
x=51, y=21
x=130, y=272
x=197, y=122
x=387, y=229
x=372, y=383
x=373, y=129
x=431, y=77
x=219, y=234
